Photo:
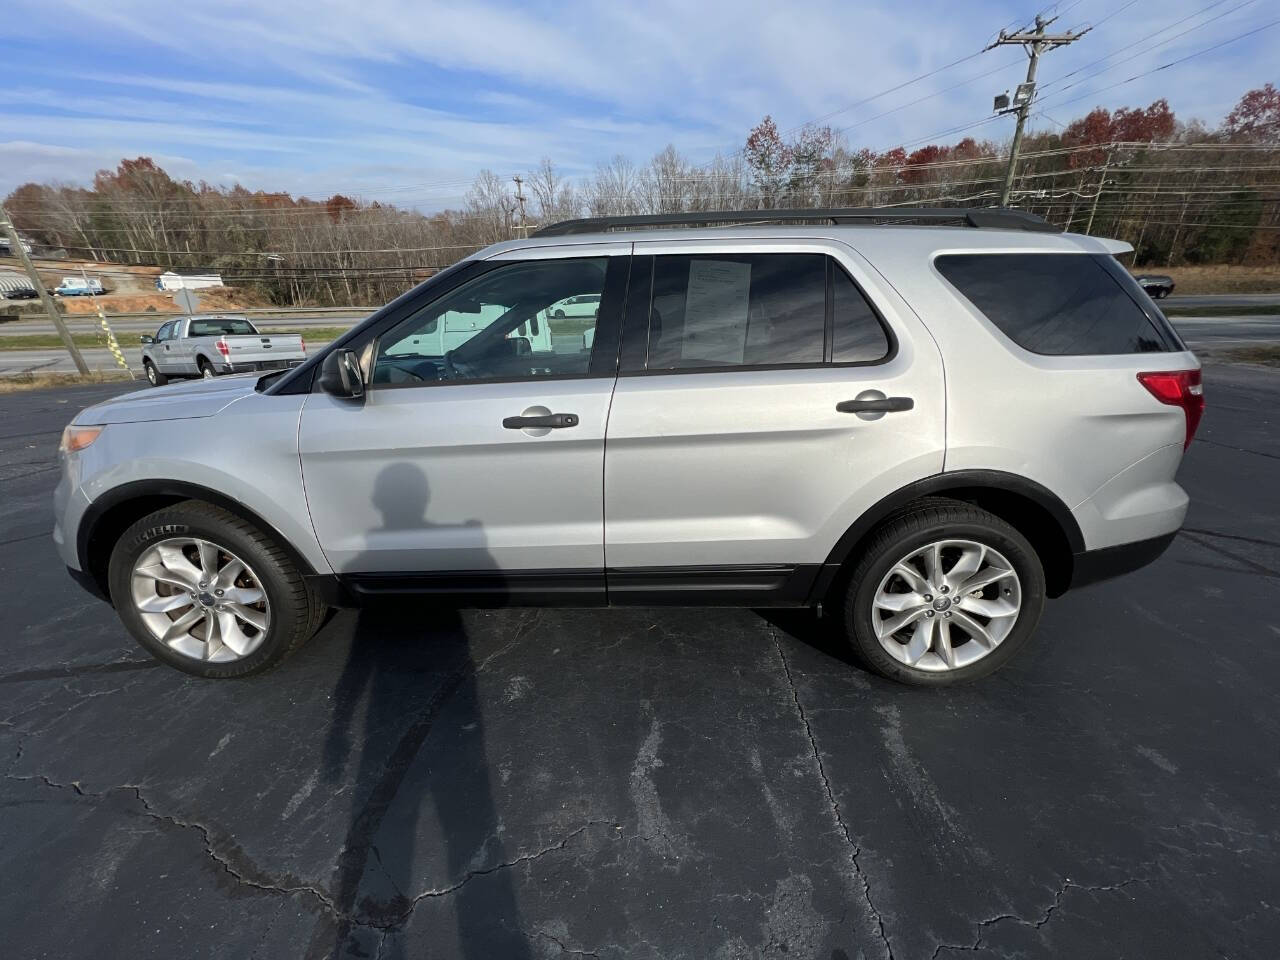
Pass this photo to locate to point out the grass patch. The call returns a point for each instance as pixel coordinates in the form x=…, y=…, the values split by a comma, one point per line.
x=42, y=381
x=41, y=341
x=310, y=334
x=1267, y=354
x=1252, y=310
x=90, y=341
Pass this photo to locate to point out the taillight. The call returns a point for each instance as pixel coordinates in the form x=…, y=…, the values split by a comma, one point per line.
x=1178, y=388
x=223, y=348
x=303, y=341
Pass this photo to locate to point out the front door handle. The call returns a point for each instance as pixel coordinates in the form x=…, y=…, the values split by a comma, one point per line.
x=551, y=421
x=876, y=405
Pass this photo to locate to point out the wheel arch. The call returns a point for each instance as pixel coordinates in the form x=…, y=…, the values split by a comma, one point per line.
x=1032, y=509
x=108, y=516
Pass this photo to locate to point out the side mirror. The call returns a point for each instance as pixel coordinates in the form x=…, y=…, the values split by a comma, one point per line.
x=340, y=374
x=147, y=338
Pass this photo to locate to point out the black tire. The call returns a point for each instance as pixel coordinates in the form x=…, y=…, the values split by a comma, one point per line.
x=924, y=523
x=296, y=612
x=154, y=376
x=558, y=315
x=206, y=369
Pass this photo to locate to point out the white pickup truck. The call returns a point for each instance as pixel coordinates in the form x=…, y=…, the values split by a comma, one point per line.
x=206, y=346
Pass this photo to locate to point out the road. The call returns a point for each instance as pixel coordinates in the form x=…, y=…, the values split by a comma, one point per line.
x=656, y=783
x=1221, y=300
x=1199, y=332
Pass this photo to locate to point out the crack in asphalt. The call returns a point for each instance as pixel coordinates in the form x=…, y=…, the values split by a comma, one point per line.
x=254, y=878
x=1260, y=453
x=855, y=849
x=1067, y=885
x=28, y=537
x=470, y=875
x=564, y=948
x=1253, y=565
x=64, y=672
x=240, y=874
x=1232, y=536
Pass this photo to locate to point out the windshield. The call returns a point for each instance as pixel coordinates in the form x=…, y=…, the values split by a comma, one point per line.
x=228, y=326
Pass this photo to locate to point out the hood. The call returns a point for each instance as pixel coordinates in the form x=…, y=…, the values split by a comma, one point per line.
x=200, y=398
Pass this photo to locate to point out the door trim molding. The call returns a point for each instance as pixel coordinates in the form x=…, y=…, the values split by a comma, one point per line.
x=747, y=585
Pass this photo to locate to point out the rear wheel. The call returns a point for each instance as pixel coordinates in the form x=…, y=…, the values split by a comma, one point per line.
x=154, y=376
x=206, y=369
x=944, y=593
x=209, y=593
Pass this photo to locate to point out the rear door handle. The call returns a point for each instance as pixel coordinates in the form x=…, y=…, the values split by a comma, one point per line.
x=552, y=421
x=876, y=405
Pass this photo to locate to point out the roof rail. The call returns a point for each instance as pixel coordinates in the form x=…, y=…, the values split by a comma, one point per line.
x=1003, y=218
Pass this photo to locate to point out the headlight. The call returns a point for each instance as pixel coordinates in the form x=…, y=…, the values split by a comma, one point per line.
x=77, y=438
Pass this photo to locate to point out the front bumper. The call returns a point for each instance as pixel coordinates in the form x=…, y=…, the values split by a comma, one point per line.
x=1093, y=566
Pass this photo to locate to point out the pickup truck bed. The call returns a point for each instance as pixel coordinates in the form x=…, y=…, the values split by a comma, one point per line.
x=209, y=346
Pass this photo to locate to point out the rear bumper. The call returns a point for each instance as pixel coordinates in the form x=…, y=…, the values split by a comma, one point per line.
x=1093, y=566
x=260, y=366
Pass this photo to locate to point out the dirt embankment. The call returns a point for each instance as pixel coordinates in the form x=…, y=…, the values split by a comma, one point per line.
x=1220, y=279
x=212, y=300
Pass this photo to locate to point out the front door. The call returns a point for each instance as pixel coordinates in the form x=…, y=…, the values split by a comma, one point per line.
x=166, y=360
x=474, y=464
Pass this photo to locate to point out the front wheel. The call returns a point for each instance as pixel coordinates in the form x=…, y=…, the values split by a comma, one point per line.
x=945, y=593
x=154, y=376
x=207, y=592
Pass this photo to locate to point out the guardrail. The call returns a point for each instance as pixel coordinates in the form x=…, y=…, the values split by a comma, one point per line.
x=266, y=313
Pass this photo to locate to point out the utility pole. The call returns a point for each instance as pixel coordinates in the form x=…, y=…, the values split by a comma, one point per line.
x=15, y=244
x=524, y=228
x=1101, y=183
x=1035, y=44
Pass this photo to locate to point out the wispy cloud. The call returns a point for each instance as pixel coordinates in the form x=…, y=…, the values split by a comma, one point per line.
x=396, y=93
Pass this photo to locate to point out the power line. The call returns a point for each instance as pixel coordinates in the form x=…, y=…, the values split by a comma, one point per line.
x=1035, y=44
x=1166, y=66
x=1130, y=52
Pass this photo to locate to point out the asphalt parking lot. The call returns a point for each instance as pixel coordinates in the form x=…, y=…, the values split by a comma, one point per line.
x=422, y=782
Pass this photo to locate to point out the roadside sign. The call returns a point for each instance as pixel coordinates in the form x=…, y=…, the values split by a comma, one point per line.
x=187, y=300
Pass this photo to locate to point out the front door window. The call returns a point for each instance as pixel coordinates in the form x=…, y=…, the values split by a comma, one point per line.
x=510, y=323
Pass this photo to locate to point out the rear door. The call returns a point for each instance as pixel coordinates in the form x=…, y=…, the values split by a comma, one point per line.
x=740, y=443
x=479, y=469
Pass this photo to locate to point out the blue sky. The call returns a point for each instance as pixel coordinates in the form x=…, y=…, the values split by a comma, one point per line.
x=404, y=101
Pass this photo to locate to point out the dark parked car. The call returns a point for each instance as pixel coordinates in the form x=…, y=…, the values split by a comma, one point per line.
x=21, y=293
x=1157, y=285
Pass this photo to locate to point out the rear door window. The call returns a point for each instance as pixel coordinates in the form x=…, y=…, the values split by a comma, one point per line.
x=737, y=310
x=1059, y=304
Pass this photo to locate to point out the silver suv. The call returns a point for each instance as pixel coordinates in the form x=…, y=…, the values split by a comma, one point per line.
x=927, y=421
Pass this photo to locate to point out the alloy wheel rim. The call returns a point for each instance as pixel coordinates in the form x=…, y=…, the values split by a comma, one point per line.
x=200, y=600
x=946, y=605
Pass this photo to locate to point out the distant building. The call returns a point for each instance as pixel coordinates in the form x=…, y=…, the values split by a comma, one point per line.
x=187, y=281
x=6, y=249
x=10, y=282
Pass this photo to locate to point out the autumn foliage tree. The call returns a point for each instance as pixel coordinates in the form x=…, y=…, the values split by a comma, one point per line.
x=1179, y=192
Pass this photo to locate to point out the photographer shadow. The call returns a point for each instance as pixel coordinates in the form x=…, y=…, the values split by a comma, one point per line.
x=410, y=680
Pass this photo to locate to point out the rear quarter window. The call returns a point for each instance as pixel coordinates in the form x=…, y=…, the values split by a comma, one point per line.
x=1058, y=304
